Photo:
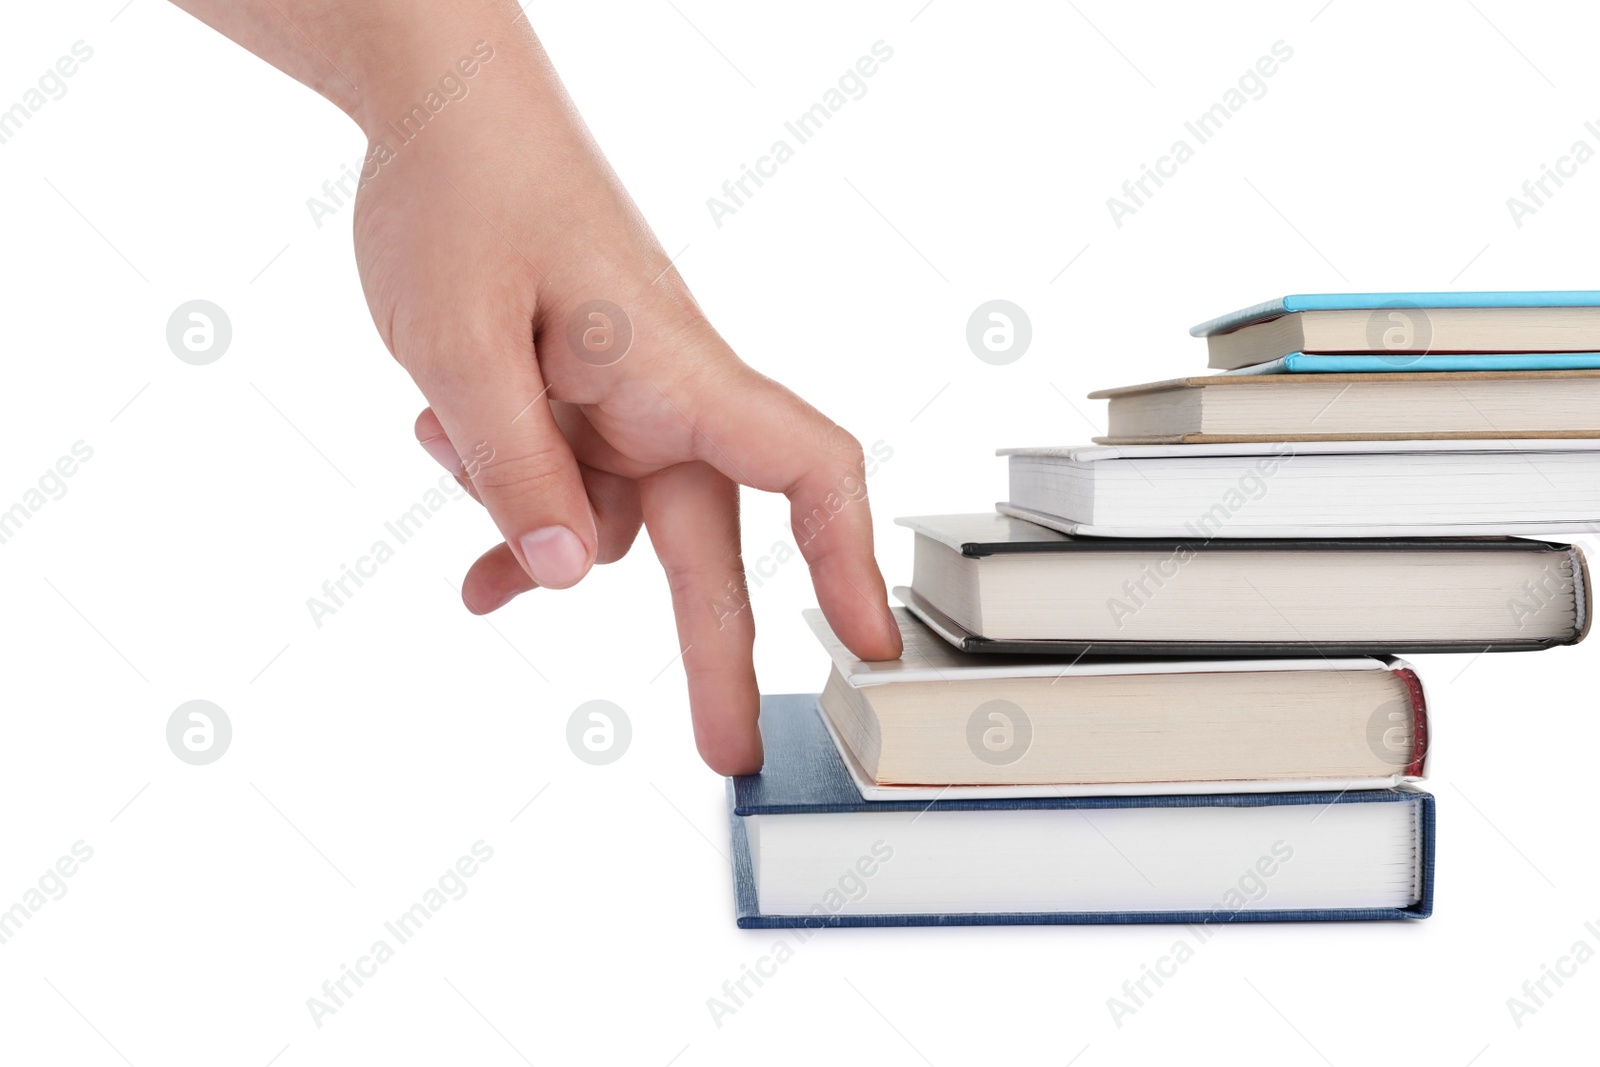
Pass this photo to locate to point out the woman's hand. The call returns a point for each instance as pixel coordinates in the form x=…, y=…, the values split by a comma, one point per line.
x=576, y=389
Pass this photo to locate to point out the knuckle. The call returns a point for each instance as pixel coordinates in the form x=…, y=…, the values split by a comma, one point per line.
x=530, y=468
x=843, y=444
x=721, y=578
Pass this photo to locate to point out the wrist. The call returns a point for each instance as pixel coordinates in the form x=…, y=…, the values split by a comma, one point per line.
x=412, y=69
x=378, y=61
x=400, y=105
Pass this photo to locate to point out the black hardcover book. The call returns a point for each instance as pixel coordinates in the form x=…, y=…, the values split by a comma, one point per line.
x=995, y=583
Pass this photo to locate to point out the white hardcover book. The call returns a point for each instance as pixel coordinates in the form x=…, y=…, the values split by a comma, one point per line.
x=1422, y=488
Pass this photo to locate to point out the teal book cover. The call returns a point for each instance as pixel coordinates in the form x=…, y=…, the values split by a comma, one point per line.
x=1272, y=309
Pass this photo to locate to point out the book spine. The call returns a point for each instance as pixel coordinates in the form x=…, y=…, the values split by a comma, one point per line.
x=1419, y=722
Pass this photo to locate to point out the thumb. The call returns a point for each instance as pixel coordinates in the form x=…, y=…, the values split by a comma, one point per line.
x=493, y=406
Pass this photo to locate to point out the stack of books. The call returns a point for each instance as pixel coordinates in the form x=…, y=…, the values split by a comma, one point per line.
x=1159, y=683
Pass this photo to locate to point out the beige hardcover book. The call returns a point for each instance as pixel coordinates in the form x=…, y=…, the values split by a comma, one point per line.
x=942, y=717
x=1473, y=405
x=1467, y=329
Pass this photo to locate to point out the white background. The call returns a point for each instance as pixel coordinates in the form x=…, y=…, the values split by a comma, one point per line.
x=368, y=754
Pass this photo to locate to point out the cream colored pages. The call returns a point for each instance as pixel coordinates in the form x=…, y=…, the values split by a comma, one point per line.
x=929, y=658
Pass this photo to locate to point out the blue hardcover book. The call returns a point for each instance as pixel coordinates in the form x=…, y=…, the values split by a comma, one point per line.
x=809, y=852
x=1434, y=362
x=1407, y=331
x=1285, y=305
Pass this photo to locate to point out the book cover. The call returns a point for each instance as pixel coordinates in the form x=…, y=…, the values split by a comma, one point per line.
x=1346, y=458
x=1019, y=530
x=1430, y=388
x=1285, y=305
x=1424, y=363
x=804, y=775
x=932, y=659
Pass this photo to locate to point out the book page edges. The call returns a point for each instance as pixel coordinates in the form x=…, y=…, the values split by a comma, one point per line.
x=1334, y=438
x=873, y=791
x=1583, y=593
x=1268, y=380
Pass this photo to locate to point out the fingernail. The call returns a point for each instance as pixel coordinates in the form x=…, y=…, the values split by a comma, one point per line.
x=555, y=556
x=444, y=453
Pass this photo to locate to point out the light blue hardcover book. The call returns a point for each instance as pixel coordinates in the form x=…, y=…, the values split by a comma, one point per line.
x=1405, y=331
x=809, y=852
x=1271, y=309
x=1367, y=363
